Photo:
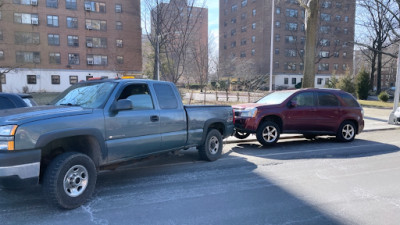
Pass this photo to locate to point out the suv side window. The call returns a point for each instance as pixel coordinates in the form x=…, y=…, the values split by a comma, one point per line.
x=305, y=99
x=139, y=95
x=349, y=100
x=165, y=96
x=327, y=99
x=5, y=103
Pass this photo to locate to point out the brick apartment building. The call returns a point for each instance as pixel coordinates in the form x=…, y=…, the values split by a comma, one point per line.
x=55, y=43
x=245, y=35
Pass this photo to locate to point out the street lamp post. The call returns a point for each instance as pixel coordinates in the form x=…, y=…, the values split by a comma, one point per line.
x=271, y=58
x=392, y=117
x=158, y=57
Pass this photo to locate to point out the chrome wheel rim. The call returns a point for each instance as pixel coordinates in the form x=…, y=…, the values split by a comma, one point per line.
x=213, y=145
x=348, y=132
x=76, y=181
x=270, y=134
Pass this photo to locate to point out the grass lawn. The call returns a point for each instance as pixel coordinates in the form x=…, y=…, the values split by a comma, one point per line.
x=378, y=104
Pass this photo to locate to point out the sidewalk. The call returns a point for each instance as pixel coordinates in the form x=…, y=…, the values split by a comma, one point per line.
x=374, y=119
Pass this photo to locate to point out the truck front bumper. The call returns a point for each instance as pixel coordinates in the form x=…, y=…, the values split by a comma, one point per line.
x=19, y=168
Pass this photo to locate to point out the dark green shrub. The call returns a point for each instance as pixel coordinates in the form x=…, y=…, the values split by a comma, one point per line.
x=383, y=96
x=362, y=84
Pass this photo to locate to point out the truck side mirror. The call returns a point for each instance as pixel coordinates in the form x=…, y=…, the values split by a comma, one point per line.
x=123, y=104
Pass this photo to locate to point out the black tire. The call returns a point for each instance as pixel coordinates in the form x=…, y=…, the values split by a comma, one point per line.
x=309, y=136
x=346, y=132
x=268, y=133
x=211, y=150
x=241, y=135
x=81, y=172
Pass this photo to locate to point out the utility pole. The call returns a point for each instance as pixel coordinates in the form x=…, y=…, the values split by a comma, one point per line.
x=392, y=117
x=271, y=56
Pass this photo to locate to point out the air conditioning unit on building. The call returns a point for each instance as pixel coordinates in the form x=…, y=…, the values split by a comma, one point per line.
x=34, y=2
x=90, y=61
x=88, y=26
x=35, y=21
x=89, y=44
x=88, y=8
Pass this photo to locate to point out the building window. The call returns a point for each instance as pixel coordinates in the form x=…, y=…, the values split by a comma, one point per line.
x=253, y=39
x=278, y=10
x=97, y=60
x=72, y=22
x=1, y=55
x=1, y=35
x=95, y=6
x=73, y=79
x=233, y=44
x=70, y=4
x=335, y=66
x=290, y=66
x=301, y=66
x=23, y=2
x=119, y=43
x=234, y=8
x=26, y=18
x=54, y=58
x=254, y=12
x=94, y=42
x=27, y=57
x=276, y=65
x=277, y=51
x=244, y=29
x=291, y=52
x=346, y=31
x=31, y=79
x=325, y=29
x=294, y=80
x=73, y=41
x=52, y=21
x=55, y=79
x=290, y=39
x=346, y=19
x=233, y=20
x=52, y=3
x=277, y=24
x=244, y=3
x=319, y=81
x=26, y=38
x=118, y=8
x=3, y=79
x=344, y=54
x=53, y=39
x=243, y=42
x=73, y=59
x=325, y=17
x=291, y=26
x=96, y=25
x=253, y=52
x=286, y=80
x=326, y=4
x=244, y=16
x=277, y=37
x=120, y=59
x=323, y=66
x=242, y=54
x=253, y=26
x=324, y=54
x=292, y=12
x=233, y=32
x=324, y=42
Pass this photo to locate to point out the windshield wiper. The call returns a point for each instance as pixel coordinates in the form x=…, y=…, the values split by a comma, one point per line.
x=69, y=104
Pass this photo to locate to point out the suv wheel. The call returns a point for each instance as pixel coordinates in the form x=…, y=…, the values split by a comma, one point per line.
x=69, y=180
x=241, y=135
x=268, y=133
x=346, y=132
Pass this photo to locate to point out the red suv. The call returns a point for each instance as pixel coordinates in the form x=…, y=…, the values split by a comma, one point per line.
x=311, y=112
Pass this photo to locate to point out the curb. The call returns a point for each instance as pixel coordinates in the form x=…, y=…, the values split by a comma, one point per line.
x=301, y=136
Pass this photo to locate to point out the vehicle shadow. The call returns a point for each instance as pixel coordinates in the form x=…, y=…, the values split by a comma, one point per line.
x=174, y=189
x=321, y=147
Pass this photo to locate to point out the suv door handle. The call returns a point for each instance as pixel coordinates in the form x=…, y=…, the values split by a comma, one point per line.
x=154, y=118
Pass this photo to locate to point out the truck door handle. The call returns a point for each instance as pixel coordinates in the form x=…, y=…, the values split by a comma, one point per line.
x=154, y=118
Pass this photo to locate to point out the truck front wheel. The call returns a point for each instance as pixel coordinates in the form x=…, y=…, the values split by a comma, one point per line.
x=69, y=180
x=211, y=150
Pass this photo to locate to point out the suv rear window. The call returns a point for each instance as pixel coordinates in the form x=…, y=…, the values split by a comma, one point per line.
x=327, y=99
x=349, y=100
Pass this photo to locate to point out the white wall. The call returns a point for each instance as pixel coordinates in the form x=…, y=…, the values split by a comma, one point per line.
x=279, y=80
x=17, y=79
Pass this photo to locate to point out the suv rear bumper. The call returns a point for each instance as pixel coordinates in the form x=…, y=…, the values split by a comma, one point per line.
x=19, y=168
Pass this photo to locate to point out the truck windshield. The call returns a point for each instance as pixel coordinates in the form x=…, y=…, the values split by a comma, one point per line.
x=275, y=98
x=87, y=95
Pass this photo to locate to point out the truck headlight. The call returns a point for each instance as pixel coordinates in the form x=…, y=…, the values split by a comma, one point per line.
x=249, y=112
x=7, y=137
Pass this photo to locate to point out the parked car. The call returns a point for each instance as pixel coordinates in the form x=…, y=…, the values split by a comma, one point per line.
x=391, y=92
x=10, y=100
x=99, y=123
x=311, y=112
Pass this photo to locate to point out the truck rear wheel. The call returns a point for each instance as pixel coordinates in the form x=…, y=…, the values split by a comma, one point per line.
x=69, y=180
x=211, y=150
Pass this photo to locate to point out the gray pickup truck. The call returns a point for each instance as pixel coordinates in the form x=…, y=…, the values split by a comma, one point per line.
x=98, y=123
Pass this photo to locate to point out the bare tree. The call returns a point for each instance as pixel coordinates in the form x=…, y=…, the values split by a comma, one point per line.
x=171, y=28
x=378, y=23
x=311, y=24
